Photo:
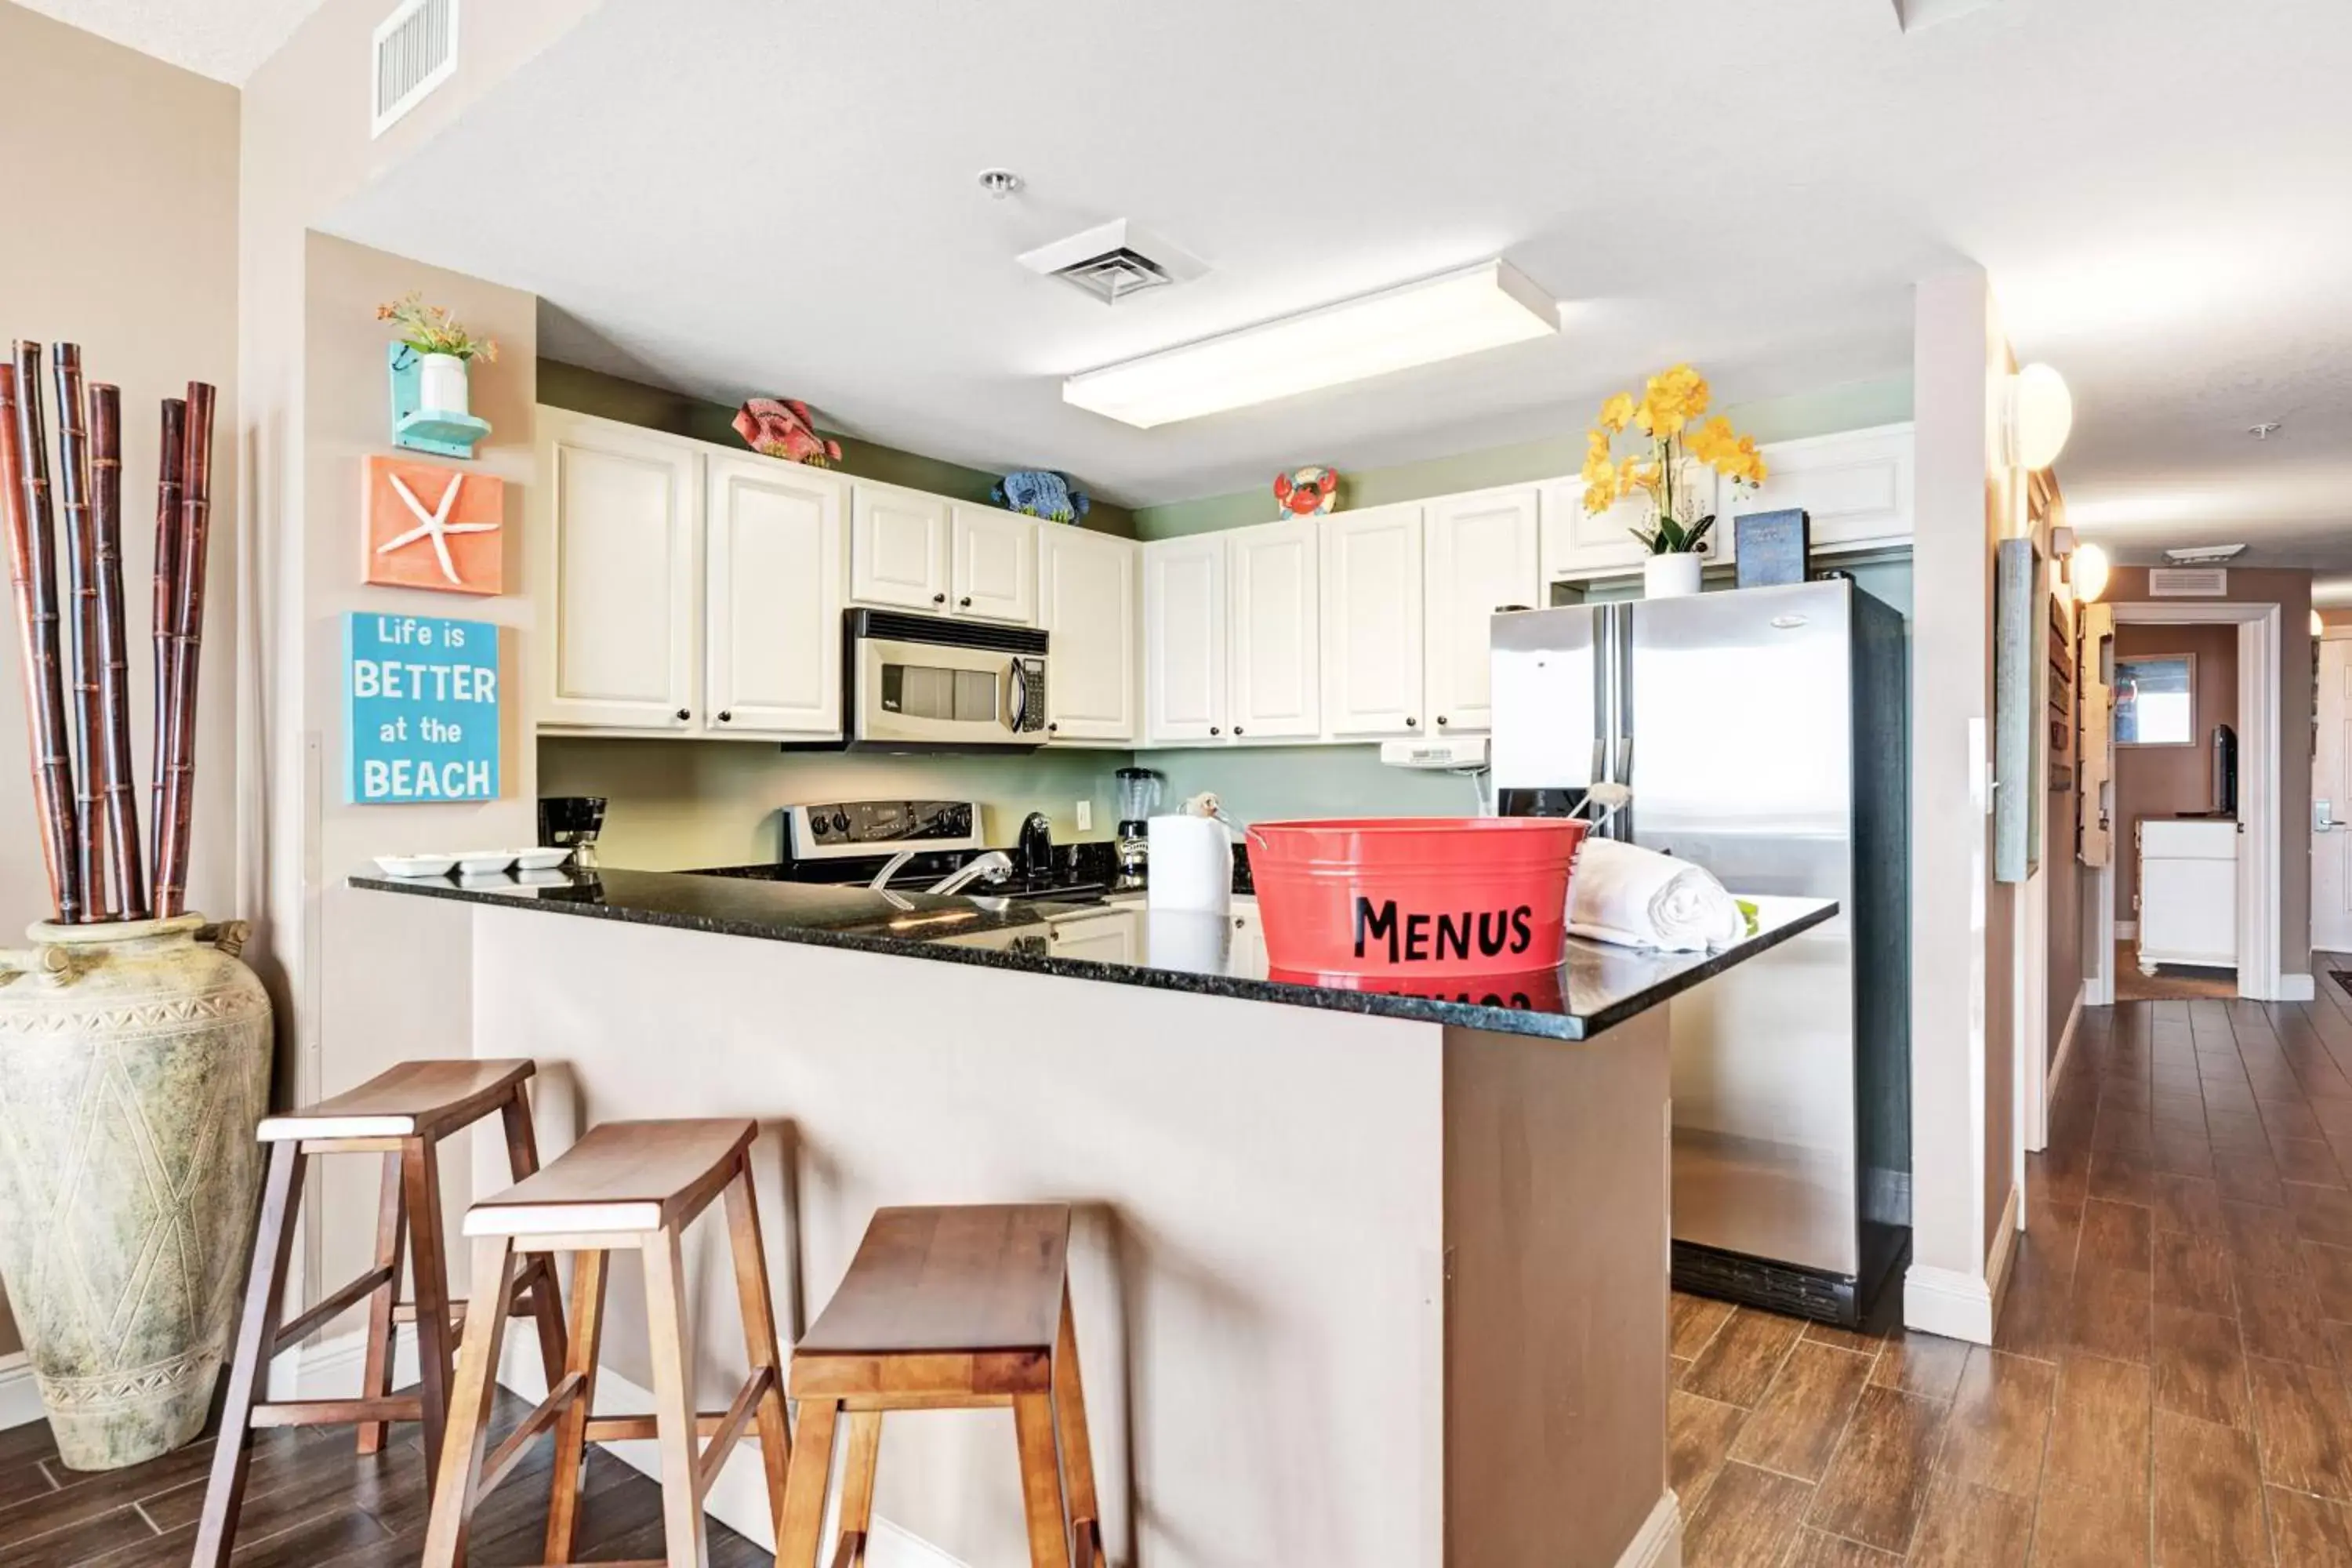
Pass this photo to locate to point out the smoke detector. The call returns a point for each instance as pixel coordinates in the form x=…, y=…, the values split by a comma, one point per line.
x=1114, y=260
x=2204, y=555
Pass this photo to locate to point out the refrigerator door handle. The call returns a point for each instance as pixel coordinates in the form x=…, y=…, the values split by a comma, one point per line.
x=1625, y=760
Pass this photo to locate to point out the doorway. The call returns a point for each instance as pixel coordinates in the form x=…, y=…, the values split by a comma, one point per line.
x=2331, y=801
x=2230, y=951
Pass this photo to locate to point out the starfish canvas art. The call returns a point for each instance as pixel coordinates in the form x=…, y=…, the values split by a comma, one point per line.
x=433, y=527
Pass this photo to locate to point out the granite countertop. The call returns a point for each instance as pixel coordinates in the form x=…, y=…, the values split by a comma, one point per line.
x=1598, y=986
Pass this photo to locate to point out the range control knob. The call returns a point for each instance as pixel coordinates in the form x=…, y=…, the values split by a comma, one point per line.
x=841, y=822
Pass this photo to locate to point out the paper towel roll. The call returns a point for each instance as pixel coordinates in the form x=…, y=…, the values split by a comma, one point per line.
x=1191, y=940
x=1192, y=864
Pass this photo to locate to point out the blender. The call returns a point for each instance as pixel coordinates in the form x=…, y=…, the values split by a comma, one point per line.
x=1139, y=798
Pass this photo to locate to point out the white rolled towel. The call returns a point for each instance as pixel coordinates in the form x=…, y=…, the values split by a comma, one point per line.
x=1635, y=897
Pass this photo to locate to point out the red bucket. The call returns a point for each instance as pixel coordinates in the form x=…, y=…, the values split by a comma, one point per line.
x=1414, y=897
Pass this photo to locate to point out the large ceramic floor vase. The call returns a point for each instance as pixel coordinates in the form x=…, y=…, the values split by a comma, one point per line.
x=134, y=1063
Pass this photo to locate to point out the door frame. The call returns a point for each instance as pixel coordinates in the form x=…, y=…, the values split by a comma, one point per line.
x=2260, y=755
x=2324, y=635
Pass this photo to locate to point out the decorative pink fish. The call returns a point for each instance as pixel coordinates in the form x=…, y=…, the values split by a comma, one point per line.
x=781, y=428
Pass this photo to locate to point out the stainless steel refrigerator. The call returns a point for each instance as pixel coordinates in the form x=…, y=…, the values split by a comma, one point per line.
x=1763, y=733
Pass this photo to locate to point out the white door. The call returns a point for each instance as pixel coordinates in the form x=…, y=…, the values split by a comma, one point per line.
x=621, y=537
x=995, y=572
x=898, y=548
x=2331, y=802
x=1275, y=654
x=1184, y=639
x=1088, y=593
x=1480, y=554
x=1371, y=612
x=773, y=543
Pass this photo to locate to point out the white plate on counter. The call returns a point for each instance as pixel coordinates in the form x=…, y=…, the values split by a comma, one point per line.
x=540, y=859
x=482, y=862
x=416, y=865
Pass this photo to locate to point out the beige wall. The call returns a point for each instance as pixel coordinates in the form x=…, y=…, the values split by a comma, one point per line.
x=2166, y=781
x=122, y=237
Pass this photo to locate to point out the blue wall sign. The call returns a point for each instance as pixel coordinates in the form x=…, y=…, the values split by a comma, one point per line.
x=421, y=706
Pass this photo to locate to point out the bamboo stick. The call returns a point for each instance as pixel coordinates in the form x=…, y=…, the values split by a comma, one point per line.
x=172, y=454
x=187, y=648
x=32, y=563
x=86, y=719
x=115, y=761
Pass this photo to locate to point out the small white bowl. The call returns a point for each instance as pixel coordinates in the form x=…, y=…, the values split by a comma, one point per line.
x=540, y=859
x=416, y=865
x=481, y=862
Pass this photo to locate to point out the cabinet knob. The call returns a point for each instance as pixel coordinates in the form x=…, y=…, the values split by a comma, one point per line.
x=726, y=716
x=684, y=715
x=1412, y=724
x=1237, y=730
x=939, y=598
x=1053, y=729
x=1441, y=719
x=1214, y=731
x=964, y=602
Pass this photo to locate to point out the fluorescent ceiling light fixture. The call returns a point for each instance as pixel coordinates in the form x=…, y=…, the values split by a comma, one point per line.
x=1465, y=312
x=2204, y=555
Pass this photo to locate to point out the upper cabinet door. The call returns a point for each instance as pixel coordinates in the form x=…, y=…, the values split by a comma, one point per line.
x=1089, y=595
x=898, y=548
x=1480, y=555
x=1855, y=486
x=1578, y=543
x=1372, y=614
x=1184, y=640
x=774, y=543
x=1276, y=650
x=996, y=571
x=621, y=535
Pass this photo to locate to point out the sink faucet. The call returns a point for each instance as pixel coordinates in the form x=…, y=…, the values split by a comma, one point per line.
x=995, y=866
x=889, y=869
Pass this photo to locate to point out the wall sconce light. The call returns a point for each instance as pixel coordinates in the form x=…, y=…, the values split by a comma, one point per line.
x=2086, y=574
x=2040, y=416
x=2318, y=624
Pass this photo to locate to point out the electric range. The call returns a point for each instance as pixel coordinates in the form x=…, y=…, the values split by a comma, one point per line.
x=847, y=843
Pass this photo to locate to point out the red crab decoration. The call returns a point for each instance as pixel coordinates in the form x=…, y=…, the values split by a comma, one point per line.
x=781, y=428
x=1308, y=491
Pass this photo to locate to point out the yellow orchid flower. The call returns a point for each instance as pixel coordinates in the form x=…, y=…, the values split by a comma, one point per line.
x=1618, y=412
x=1599, y=497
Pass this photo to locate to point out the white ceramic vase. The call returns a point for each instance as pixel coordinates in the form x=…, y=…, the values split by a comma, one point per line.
x=134, y=1064
x=441, y=384
x=1673, y=576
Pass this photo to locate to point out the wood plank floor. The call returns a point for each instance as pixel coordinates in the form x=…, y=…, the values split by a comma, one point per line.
x=2167, y=1380
x=312, y=1501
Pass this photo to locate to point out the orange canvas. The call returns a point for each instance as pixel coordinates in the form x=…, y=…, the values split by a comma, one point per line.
x=433, y=527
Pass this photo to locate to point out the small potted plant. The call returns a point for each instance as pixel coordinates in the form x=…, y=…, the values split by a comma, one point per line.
x=1673, y=532
x=444, y=348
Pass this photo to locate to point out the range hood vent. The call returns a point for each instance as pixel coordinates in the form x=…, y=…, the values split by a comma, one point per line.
x=415, y=51
x=1114, y=261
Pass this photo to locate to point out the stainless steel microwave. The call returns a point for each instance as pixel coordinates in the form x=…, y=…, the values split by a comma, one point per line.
x=928, y=683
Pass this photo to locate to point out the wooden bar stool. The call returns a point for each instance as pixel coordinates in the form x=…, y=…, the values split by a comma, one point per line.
x=948, y=1309
x=625, y=1184
x=403, y=1114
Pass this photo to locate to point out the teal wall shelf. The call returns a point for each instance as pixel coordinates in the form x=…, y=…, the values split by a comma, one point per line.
x=440, y=431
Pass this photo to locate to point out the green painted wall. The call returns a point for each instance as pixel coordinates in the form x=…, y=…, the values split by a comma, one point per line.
x=585, y=391
x=1854, y=406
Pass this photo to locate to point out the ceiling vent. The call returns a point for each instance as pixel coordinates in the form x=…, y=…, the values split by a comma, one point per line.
x=2188, y=582
x=415, y=51
x=1114, y=261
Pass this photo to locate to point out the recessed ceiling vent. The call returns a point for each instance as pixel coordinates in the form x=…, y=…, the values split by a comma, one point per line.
x=2188, y=582
x=1114, y=261
x=415, y=51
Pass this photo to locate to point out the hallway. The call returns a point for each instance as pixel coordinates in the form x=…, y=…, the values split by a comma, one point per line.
x=2167, y=1384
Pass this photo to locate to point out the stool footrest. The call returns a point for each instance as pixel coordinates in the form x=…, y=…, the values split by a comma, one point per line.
x=755, y=1388
x=333, y=1306
x=338, y=1412
x=542, y=1416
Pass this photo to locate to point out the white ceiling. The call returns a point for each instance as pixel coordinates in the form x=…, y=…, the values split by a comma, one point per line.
x=224, y=39
x=734, y=198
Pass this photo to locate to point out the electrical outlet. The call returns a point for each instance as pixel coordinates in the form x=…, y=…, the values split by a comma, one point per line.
x=1085, y=816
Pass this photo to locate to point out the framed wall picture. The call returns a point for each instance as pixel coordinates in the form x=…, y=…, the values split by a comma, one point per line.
x=1770, y=547
x=431, y=526
x=422, y=701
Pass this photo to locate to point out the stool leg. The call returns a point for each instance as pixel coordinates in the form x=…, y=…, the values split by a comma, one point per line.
x=571, y=1426
x=857, y=1483
x=420, y=1167
x=675, y=1424
x=249, y=1370
x=760, y=1332
x=1077, y=1451
x=469, y=1406
x=538, y=1270
x=375, y=1381
x=796, y=1543
x=1041, y=1481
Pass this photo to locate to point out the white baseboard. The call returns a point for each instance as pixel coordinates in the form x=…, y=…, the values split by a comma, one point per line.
x=20, y=1397
x=2004, y=1249
x=2127, y=931
x=1958, y=1306
x=2295, y=988
x=1659, y=1543
x=2065, y=1056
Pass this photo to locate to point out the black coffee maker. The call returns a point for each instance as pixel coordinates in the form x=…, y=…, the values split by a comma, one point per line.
x=573, y=821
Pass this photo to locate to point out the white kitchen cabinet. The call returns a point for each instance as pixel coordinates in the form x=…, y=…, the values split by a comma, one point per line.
x=1372, y=615
x=1089, y=598
x=1578, y=543
x=1184, y=640
x=994, y=571
x=898, y=548
x=1274, y=656
x=618, y=548
x=1103, y=936
x=1248, y=950
x=1480, y=553
x=773, y=559
x=2188, y=893
x=1855, y=486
